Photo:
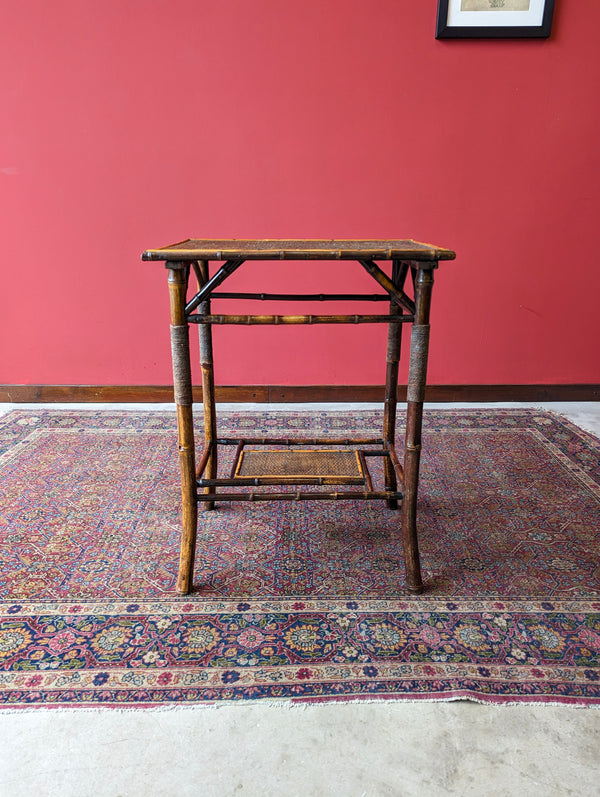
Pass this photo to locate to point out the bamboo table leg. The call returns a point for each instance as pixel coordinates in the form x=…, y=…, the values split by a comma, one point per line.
x=182, y=382
x=399, y=271
x=208, y=384
x=419, y=348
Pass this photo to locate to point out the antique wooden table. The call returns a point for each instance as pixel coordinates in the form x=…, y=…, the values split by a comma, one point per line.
x=318, y=463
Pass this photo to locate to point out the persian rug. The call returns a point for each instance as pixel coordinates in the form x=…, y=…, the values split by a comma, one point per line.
x=297, y=601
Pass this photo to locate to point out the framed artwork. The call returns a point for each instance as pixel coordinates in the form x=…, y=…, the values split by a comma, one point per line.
x=479, y=19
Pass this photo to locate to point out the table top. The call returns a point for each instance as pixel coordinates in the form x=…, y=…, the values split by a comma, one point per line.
x=306, y=249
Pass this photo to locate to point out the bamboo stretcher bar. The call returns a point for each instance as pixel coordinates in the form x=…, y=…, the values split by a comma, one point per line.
x=305, y=441
x=303, y=496
x=258, y=481
x=306, y=297
x=251, y=320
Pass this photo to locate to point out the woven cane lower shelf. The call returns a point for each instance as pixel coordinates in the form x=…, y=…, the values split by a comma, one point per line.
x=300, y=464
x=290, y=467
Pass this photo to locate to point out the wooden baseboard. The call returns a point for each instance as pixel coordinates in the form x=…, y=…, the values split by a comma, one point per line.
x=293, y=393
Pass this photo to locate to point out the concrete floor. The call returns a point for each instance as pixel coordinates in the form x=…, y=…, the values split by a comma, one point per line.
x=360, y=749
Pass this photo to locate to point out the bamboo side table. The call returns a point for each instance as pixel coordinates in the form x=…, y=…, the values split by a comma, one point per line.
x=318, y=463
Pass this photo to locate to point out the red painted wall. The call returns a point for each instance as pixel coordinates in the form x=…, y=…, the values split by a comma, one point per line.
x=129, y=125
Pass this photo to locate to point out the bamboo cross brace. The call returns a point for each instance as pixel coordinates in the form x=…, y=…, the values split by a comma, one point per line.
x=225, y=271
x=397, y=294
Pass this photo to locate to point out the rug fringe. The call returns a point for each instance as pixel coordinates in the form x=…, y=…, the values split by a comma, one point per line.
x=296, y=704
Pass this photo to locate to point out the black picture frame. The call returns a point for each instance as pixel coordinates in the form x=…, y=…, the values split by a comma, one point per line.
x=445, y=31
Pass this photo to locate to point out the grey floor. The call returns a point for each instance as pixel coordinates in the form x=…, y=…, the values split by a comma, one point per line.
x=362, y=750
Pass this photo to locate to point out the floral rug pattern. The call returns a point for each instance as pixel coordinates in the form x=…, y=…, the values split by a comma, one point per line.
x=297, y=601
